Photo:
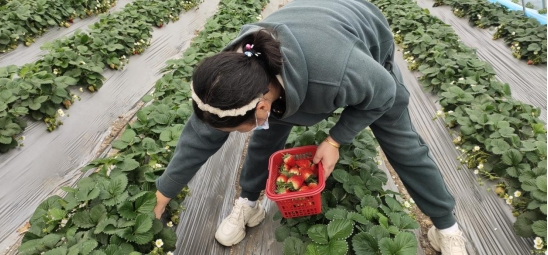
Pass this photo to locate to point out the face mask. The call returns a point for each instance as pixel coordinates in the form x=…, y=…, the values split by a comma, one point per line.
x=263, y=126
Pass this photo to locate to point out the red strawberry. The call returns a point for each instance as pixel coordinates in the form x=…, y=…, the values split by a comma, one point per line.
x=282, y=179
x=289, y=159
x=295, y=182
x=303, y=163
x=161, y=25
x=308, y=175
x=284, y=168
x=312, y=185
x=282, y=190
x=304, y=188
x=314, y=168
x=530, y=62
x=294, y=171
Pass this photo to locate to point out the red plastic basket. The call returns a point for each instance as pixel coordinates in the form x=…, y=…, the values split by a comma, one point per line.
x=295, y=204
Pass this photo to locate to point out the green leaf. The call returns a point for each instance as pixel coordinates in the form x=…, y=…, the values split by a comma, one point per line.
x=143, y=223
x=314, y=249
x=336, y=213
x=97, y=213
x=379, y=232
x=51, y=240
x=127, y=211
x=82, y=219
x=356, y=217
x=539, y=227
x=146, y=203
x=138, y=238
x=88, y=246
x=369, y=213
x=543, y=208
x=281, y=233
x=340, y=229
x=499, y=146
x=394, y=205
x=404, y=243
x=541, y=183
x=293, y=246
x=365, y=244
x=403, y=221
x=523, y=226
x=57, y=251
x=128, y=135
x=148, y=143
x=341, y=175
x=128, y=164
x=512, y=157
x=165, y=136
x=87, y=193
x=337, y=247
x=147, y=98
x=318, y=234
x=104, y=224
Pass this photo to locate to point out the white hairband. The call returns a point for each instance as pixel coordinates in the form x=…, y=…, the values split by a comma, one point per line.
x=223, y=113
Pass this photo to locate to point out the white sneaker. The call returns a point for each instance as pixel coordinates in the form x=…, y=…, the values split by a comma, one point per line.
x=447, y=244
x=232, y=229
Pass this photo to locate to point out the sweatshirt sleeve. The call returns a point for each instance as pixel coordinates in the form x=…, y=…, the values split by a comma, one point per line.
x=197, y=143
x=368, y=90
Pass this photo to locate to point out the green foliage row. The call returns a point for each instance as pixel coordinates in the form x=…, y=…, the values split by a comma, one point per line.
x=40, y=88
x=502, y=138
x=358, y=216
x=525, y=36
x=111, y=210
x=22, y=21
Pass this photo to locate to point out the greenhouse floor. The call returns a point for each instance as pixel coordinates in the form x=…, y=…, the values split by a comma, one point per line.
x=51, y=160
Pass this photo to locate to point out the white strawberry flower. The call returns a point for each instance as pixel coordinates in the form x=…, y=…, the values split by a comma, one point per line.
x=170, y=224
x=517, y=193
x=169, y=253
x=461, y=79
x=55, y=71
x=538, y=240
x=479, y=16
x=81, y=89
x=60, y=112
x=509, y=200
x=476, y=171
x=449, y=112
x=536, y=52
x=439, y=113
x=406, y=204
x=480, y=166
x=411, y=201
x=159, y=243
x=513, y=33
x=476, y=148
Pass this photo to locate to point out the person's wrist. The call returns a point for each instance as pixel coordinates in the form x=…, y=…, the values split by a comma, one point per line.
x=332, y=142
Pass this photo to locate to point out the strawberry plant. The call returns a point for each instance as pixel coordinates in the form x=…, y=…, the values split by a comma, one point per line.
x=79, y=60
x=24, y=21
x=500, y=138
x=525, y=36
x=110, y=211
x=358, y=215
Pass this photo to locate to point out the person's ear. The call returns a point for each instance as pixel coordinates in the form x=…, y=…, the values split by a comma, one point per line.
x=263, y=107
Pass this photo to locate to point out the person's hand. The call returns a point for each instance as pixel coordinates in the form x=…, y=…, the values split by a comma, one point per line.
x=161, y=203
x=328, y=154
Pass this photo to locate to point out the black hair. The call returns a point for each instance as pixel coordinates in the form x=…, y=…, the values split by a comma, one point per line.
x=230, y=79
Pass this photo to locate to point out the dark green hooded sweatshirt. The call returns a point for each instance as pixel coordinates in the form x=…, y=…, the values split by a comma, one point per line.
x=333, y=55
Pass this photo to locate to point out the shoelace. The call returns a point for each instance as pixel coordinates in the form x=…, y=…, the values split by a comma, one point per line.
x=456, y=240
x=237, y=212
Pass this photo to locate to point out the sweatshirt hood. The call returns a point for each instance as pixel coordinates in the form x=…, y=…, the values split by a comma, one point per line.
x=294, y=74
